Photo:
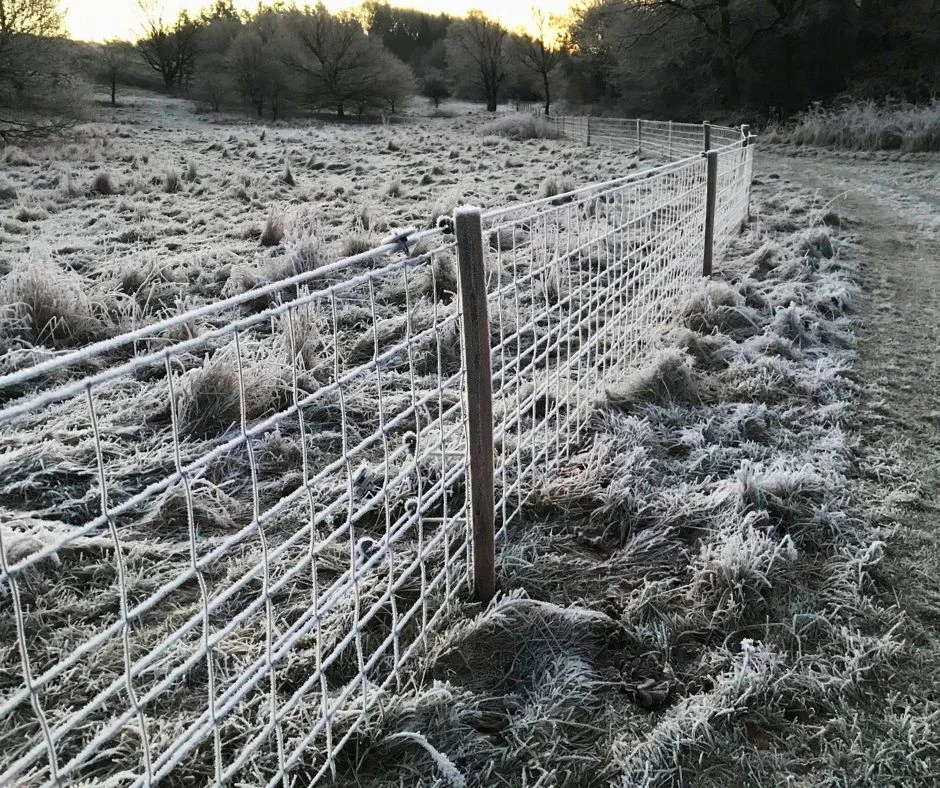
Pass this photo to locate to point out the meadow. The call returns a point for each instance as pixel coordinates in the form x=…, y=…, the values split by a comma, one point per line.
x=691, y=596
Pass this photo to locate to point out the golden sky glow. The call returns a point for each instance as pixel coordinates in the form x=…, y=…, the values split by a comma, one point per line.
x=97, y=20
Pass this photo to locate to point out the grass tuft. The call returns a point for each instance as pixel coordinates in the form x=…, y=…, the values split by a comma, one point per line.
x=287, y=177
x=102, y=184
x=7, y=190
x=50, y=307
x=521, y=126
x=273, y=232
x=669, y=378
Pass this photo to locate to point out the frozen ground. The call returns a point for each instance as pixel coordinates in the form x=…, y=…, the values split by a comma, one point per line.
x=894, y=208
x=154, y=209
x=711, y=592
x=196, y=192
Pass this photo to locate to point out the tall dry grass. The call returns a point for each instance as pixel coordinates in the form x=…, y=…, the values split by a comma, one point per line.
x=866, y=126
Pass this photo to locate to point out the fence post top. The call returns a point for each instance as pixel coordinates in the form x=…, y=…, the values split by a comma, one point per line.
x=463, y=211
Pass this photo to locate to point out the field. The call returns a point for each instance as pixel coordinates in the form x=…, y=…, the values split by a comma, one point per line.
x=696, y=595
x=158, y=206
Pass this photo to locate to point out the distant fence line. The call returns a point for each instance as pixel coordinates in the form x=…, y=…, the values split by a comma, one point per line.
x=269, y=502
x=665, y=139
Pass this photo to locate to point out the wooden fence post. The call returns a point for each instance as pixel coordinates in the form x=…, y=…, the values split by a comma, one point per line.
x=670, y=139
x=706, y=136
x=587, y=125
x=639, y=135
x=711, y=189
x=475, y=328
x=746, y=131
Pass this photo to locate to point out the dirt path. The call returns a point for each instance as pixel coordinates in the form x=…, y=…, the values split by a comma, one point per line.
x=894, y=211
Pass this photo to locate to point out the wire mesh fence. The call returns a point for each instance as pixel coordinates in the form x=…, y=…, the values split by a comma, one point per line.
x=656, y=138
x=224, y=535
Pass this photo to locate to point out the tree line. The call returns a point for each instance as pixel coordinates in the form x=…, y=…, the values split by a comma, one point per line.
x=666, y=58
x=689, y=57
x=282, y=60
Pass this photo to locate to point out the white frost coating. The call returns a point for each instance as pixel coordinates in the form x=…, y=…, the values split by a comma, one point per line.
x=467, y=210
x=195, y=440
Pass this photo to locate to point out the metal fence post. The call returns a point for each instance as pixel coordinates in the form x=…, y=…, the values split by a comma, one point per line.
x=711, y=190
x=475, y=328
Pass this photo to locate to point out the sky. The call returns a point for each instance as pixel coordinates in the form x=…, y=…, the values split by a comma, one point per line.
x=97, y=20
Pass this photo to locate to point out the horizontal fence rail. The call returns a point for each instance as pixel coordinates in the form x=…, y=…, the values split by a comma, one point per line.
x=224, y=535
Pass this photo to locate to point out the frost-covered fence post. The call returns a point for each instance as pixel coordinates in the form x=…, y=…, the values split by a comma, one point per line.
x=711, y=188
x=639, y=135
x=748, y=153
x=475, y=328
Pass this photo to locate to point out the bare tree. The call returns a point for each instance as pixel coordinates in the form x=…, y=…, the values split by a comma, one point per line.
x=477, y=49
x=169, y=48
x=434, y=86
x=249, y=67
x=115, y=59
x=20, y=22
x=734, y=29
x=540, y=54
x=34, y=94
x=342, y=66
x=394, y=84
x=219, y=26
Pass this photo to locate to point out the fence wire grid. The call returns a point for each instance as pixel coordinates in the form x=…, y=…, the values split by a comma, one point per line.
x=223, y=536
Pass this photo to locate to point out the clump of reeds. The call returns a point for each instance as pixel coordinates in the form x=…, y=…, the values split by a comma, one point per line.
x=521, y=126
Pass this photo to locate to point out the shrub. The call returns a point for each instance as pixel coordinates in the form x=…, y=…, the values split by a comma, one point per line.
x=521, y=127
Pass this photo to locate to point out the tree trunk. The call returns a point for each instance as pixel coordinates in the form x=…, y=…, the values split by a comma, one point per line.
x=791, y=101
x=548, y=98
x=730, y=64
x=732, y=82
x=259, y=108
